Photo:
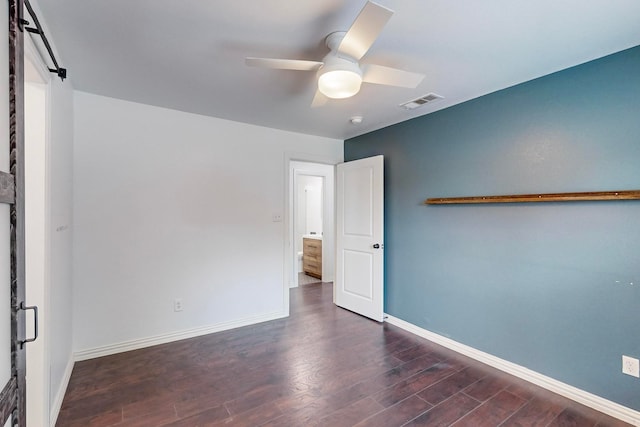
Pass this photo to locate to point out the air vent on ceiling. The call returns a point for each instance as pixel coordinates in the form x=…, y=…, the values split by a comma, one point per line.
x=418, y=102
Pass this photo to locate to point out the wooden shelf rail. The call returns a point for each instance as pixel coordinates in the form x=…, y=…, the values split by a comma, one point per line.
x=550, y=197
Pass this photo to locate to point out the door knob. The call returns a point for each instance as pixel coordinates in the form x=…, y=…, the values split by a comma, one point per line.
x=376, y=246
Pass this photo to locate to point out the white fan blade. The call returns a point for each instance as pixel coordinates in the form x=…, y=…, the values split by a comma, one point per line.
x=364, y=30
x=381, y=75
x=283, y=64
x=319, y=100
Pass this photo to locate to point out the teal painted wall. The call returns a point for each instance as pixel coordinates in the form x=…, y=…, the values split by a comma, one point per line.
x=553, y=287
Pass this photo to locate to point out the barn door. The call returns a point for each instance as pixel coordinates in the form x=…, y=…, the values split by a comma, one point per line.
x=12, y=265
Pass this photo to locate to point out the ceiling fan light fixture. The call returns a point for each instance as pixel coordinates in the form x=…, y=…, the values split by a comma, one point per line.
x=339, y=77
x=338, y=84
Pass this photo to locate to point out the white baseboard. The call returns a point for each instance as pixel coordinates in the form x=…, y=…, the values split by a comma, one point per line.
x=585, y=398
x=56, y=405
x=107, y=350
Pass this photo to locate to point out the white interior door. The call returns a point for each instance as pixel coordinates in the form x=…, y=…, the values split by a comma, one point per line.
x=359, y=284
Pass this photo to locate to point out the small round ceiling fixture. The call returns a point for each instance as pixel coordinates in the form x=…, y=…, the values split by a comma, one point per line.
x=356, y=120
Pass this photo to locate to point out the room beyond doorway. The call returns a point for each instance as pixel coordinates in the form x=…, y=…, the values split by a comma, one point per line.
x=311, y=225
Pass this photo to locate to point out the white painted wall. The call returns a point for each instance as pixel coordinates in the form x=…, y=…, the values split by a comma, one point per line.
x=36, y=247
x=313, y=205
x=60, y=238
x=171, y=205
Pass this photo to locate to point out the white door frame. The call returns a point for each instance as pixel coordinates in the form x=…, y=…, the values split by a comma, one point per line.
x=326, y=172
x=290, y=260
x=39, y=265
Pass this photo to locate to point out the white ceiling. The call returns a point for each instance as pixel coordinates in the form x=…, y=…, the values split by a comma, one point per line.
x=189, y=54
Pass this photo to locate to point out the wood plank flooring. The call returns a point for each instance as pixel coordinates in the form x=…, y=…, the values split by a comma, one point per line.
x=304, y=279
x=322, y=366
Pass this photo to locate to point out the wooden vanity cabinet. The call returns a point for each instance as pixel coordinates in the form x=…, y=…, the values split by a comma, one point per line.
x=312, y=257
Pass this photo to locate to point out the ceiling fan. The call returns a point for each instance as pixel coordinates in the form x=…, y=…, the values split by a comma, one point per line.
x=339, y=73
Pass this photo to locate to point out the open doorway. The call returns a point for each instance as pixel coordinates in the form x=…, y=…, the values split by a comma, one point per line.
x=37, y=250
x=307, y=216
x=311, y=251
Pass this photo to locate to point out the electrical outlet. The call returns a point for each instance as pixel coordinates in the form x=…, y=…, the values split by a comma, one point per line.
x=276, y=217
x=631, y=366
x=177, y=304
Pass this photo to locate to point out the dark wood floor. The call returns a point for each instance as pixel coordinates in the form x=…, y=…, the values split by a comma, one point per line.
x=322, y=366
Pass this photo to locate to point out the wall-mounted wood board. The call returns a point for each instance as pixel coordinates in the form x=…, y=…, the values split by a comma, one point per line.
x=549, y=197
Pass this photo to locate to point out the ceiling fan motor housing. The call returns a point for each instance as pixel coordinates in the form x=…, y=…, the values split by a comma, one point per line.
x=340, y=76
